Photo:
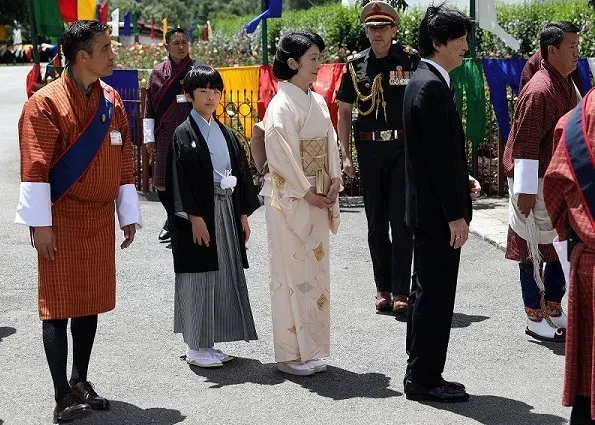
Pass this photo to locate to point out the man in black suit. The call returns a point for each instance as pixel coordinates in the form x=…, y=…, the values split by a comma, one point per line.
x=438, y=201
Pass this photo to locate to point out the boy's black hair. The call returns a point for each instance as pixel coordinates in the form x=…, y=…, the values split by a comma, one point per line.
x=202, y=77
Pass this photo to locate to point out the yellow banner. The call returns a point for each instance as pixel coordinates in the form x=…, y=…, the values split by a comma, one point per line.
x=241, y=94
x=85, y=10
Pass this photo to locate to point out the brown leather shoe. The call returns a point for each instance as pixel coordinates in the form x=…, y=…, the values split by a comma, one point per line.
x=70, y=408
x=382, y=301
x=400, y=304
x=85, y=393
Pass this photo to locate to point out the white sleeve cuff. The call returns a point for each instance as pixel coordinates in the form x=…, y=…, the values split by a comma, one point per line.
x=128, y=206
x=148, y=130
x=35, y=205
x=561, y=248
x=525, y=176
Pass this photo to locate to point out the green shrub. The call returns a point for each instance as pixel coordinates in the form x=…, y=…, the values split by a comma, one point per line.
x=342, y=30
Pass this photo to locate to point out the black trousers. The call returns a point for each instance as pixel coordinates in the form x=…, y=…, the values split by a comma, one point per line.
x=432, y=303
x=382, y=173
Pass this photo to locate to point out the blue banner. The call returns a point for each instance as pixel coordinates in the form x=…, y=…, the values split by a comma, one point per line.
x=274, y=11
x=127, y=23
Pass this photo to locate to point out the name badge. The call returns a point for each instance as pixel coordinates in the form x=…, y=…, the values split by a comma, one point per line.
x=181, y=98
x=115, y=137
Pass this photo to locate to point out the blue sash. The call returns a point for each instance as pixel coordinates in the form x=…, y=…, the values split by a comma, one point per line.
x=73, y=163
x=580, y=158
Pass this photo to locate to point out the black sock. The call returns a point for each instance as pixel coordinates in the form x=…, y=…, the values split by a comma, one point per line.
x=83, y=334
x=55, y=343
x=163, y=199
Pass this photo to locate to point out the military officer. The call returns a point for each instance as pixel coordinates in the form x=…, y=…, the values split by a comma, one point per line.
x=374, y=83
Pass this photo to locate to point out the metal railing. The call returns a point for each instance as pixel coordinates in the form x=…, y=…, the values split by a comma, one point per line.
x=238, y=110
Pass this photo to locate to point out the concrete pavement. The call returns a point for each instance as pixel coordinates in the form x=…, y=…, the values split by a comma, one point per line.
x=513, y=380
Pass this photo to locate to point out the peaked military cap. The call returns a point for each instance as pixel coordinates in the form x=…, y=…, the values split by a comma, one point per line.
x=379, y=13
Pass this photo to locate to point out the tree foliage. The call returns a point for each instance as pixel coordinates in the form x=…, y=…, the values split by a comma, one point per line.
x=183, y=12
x=13, y=10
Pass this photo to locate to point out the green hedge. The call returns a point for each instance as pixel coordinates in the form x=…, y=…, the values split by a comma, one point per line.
x=342, y=31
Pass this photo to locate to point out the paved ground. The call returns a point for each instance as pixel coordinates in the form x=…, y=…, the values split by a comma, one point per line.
x=513, y=380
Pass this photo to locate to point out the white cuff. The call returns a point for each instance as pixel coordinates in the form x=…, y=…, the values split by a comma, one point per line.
x=35, y=205
x=128, y=206
x=148, y=130
x=561, y=248
x=525, y=176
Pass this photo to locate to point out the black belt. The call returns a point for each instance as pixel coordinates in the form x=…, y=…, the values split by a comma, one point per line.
x=381, y=136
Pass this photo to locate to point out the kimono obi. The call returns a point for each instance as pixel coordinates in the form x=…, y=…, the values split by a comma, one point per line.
x=314, y=162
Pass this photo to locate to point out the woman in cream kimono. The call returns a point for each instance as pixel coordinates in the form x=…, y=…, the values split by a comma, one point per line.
x=301, y=198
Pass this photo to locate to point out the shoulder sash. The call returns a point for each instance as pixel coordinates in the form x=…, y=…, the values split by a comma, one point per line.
x=75, y=161
x=581, y=160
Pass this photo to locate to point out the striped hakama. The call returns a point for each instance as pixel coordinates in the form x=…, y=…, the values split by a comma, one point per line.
x=198, y=315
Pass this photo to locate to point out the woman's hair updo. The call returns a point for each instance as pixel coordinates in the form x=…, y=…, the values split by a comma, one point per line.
x=293, y=45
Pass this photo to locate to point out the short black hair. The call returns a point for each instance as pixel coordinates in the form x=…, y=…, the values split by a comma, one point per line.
x=79, y=36
x=202, y=77
x=293, y=45
x=440, y=25
x=552, y=34
x=171, y=32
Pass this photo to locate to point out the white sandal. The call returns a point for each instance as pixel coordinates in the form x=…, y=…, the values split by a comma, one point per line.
x=220, y=355
x=202, y=358
x=319, y=365
x=296, y=368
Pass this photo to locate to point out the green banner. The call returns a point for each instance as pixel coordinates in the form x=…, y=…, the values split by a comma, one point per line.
x=47, y=17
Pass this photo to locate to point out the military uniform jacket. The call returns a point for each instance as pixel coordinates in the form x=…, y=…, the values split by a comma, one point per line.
x=376, y=87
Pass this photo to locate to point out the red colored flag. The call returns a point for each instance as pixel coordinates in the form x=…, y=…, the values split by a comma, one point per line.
x=32, y=78
x=152, y=28
x=327, y=84
x=103, y=13
x=68, y=10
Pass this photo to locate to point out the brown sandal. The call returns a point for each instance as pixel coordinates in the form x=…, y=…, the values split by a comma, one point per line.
x=382, y=301
x=400, y=304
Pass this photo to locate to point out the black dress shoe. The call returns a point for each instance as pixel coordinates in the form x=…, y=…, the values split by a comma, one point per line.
x=451, y=384
x=70, y=408
x=164, y=235
x=441, y=394
x=85, y=393
x=454, y=385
